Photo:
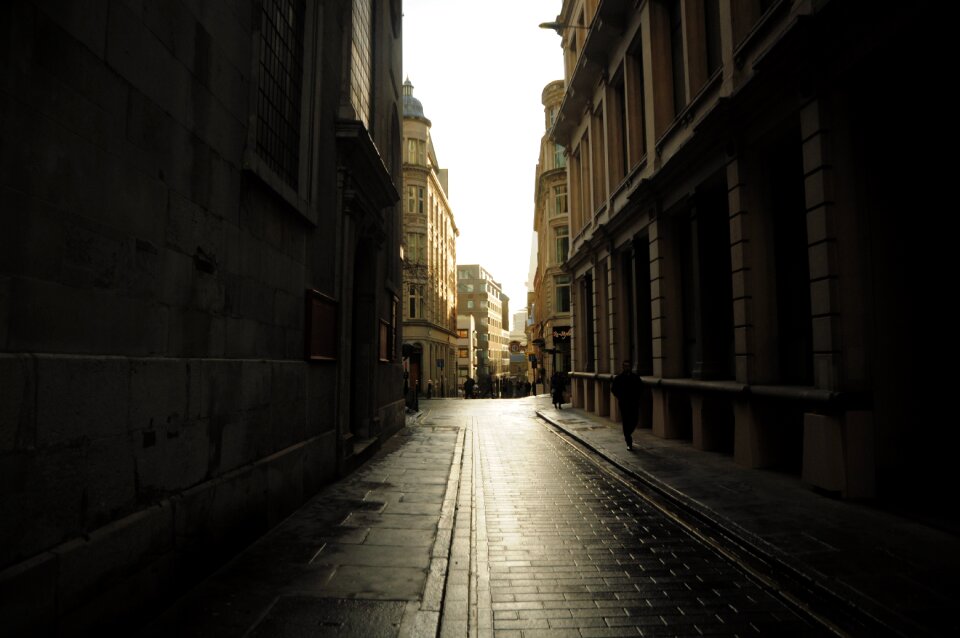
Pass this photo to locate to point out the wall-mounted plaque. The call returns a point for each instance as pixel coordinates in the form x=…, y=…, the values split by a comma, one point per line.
x=386, y=341
x=321, y=327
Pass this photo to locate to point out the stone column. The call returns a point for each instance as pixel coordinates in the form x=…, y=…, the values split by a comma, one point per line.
x=754, y=299
x=822, y=245
x=838, y=449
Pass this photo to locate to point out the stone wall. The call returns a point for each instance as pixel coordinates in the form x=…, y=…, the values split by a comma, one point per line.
x=156, y=410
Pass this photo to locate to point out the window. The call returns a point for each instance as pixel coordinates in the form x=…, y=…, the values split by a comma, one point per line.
x=597, y=154
x=676, y=58
x=617, y=130
x=279, y=87
x=746, y=13
x=559, y=156
x=420, y=199
x=711, y=22
x=563, y=243
x=470, y=304
x=462, y=353
x=411, y=199
x=563, y=293
x=636, y=112
x=462, y=333
x=360, y=61
x=416, y=247
x=416, y=151
x=560, y=200
x=416, y=307
x=574, y=202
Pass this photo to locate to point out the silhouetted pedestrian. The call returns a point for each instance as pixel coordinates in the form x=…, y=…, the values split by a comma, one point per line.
x=556, y=389
x=626, y=387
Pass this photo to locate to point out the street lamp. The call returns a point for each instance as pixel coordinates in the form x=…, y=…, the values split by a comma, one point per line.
x=560, y=26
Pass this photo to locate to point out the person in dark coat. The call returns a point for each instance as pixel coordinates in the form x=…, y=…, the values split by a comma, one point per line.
x=468, y=388
x=556, y=389
x=626, y=387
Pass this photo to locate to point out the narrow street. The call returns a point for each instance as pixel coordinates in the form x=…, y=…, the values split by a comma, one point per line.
x=562, y=548
x=479, y=520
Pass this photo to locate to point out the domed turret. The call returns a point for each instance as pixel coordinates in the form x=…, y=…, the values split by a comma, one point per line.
x=411, y=105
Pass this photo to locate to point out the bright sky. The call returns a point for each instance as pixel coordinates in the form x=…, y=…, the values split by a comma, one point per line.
x=479, y=69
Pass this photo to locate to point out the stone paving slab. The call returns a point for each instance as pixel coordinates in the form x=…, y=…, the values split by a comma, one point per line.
x=361, y=558
x=309, y=616
x=895, y=569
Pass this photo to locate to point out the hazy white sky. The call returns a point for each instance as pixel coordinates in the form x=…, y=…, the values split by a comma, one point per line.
x=479, y=69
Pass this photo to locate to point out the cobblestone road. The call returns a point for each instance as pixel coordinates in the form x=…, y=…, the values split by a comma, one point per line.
x=558, y=547
x=478, y=520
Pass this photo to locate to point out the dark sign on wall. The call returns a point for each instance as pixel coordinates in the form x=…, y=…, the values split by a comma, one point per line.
x=561, y=334
x=321, y=325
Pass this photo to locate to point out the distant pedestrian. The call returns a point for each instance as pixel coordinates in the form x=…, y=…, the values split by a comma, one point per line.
x=556, y=389
x=468, y=388
x=429, y=388
x=626, y=387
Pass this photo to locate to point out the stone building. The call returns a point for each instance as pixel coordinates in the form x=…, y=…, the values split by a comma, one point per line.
x=199, y=286
x=430, y=258
x=740, y=230
x=479, y=296
x=466, y=349
x=549, y=333
x=518, y=345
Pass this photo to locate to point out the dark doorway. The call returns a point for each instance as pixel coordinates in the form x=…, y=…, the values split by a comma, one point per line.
x=364, y=342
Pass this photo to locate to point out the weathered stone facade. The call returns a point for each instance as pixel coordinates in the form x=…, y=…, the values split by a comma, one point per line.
x=176, y=187
x=430, y=258
x=482, y=298
x=738, y=230
x=549, y=331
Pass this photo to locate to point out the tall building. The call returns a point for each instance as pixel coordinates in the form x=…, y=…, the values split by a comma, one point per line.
x=430, y=257
x=199, y=286
x=479, y=296
x=740, y=231
x=467, y=341
x=518, y=342
x=550, y=329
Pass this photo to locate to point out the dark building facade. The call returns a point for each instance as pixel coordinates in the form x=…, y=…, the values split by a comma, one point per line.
x=199, y=285
x=741, y=230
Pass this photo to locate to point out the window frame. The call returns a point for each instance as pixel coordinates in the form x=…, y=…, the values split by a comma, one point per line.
x=301, y=198
x=559, y=236
x=562, y=281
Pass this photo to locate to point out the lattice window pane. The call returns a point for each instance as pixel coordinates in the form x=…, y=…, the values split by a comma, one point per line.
x=360, y=63
x=280, y=87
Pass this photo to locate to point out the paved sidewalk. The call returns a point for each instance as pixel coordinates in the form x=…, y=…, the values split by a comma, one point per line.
x=899, y=571
x=367, y=556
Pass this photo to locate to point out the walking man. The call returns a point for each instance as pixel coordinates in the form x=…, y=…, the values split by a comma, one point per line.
x=556, y=389
x=626, y=387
